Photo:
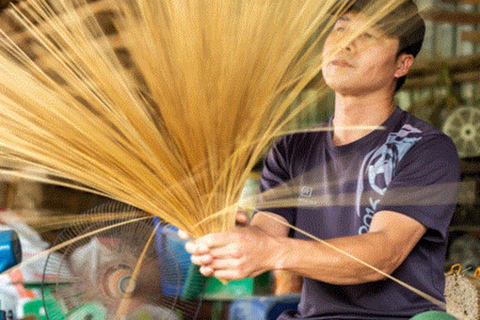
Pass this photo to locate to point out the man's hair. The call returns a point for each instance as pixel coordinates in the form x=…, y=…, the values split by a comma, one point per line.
x=403, y=23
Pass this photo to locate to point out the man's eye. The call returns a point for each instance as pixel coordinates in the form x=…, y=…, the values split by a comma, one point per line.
x=368, y=36
x=339, y=28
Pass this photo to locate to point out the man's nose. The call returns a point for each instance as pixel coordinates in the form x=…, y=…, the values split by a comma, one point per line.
x=350, y=46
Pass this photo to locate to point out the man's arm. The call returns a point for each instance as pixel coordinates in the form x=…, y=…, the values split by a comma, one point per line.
x=391, y=238
x=249, y=251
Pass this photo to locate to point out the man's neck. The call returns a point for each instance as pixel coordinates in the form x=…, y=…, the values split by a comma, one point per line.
x=352, y=113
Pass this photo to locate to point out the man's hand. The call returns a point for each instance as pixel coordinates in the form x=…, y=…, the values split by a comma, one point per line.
x=249, y=250
x=240, y=253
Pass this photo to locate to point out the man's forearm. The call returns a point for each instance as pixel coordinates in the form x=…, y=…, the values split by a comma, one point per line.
x=316, y=260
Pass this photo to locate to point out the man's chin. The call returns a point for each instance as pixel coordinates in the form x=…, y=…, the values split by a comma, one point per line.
x=340, y=85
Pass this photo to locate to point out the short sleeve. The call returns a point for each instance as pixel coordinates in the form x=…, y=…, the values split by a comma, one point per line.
x=425, y=185
x=274, y=186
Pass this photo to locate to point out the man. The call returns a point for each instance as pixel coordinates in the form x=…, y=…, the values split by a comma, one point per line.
x=387, y=195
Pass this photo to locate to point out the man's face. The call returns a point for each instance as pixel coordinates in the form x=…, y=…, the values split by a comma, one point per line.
x=367, y=64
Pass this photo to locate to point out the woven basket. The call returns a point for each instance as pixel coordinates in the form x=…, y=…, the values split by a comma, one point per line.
x=462, y=294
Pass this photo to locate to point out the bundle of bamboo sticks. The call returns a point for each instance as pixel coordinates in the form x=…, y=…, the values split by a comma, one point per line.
x=175, y=133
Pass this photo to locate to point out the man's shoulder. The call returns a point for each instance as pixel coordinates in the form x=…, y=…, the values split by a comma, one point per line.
x=427, y=133
x=429, y=145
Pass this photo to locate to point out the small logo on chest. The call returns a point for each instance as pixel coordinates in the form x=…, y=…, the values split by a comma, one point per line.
x=306, y=192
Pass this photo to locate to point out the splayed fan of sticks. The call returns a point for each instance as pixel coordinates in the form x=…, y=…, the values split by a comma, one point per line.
x=176, y=132
x=177, y=137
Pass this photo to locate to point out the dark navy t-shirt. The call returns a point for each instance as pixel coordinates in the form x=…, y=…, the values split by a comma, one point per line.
x=408, y=167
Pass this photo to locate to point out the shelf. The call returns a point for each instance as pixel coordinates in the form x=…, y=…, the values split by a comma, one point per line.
x=458, y=63
x=431, y=80
x=452, y=17
x=424, y=73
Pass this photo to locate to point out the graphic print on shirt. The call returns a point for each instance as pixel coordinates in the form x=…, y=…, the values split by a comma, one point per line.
x=379, y=167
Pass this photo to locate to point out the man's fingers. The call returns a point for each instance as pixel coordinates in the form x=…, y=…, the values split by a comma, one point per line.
x=226, y=264
x=225, y=269
x=242, y=218
x=215, y=240
x=227, y=274
x=207, y=271
x=202, y=260
x=196, y=248
x=229, y=251
x=183, y=235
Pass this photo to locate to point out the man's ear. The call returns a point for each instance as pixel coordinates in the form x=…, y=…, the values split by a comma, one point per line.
x=404, y=62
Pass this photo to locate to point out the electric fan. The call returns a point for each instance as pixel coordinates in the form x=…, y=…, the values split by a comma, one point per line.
x=127, y=266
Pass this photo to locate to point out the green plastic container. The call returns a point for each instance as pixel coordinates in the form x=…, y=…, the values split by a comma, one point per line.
x=233, y=289
x=434, y=315
x=260, y=285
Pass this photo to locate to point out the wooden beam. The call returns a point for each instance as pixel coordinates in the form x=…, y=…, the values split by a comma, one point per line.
x=466, y=76
x=471, y=36
x=452, y=17
x=431, y=79
x=454, y=64
x=425, y=73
